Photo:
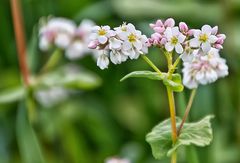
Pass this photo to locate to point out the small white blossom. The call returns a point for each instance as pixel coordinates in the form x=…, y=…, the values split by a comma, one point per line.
x=49, y=97
x=135, y=43
x=174, y=40
x=115, y=44
x=58, y=32
x=204, y=69
x=117, y=56
x=102, y=60
x=79, y=44
x=102, y=34
x=203, y=38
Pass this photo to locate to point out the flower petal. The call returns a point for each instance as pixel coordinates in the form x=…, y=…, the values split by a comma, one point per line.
x=168, y=33
x=169, y=47
x=181, y=38
x=207, y=29
x=195, y=42
x=206, y=47
x=138, y=44
x=196, y=33
x=102, y=39
x=213, y=39
x=179, y=48
x=175, y=31
x=127, y=45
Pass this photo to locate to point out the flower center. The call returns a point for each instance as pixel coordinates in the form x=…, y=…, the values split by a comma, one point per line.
x=132, y=38
x=102, y=32
x=174, y=40
x=124, y=28
x=203, y=38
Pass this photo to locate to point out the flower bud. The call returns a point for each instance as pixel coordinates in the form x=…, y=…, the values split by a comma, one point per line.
x=163, y=41
x=214, y=30
x=218, y=46
x=169, y=22
x=93, y=44
x=190, y=32
x=183, y=27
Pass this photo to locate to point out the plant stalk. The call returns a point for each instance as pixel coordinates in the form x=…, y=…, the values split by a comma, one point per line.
x=20, y=40
x=189, y=105
x=150, y=63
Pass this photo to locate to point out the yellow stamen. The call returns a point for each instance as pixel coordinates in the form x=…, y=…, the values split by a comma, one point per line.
x=174, y=40
x=102, y=32
x=132, y=38
x=203, y=38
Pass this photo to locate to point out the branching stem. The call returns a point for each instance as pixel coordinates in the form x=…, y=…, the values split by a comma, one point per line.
x=193, y=93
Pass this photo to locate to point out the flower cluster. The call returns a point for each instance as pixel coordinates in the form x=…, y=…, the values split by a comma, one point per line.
x=198, y=48
x=204, y=69
x=119, y=44
x=184, y=40
x=64, y=34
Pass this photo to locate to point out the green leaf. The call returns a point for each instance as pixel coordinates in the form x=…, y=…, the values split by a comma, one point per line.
x=70, y=77
x=175, y=84
x=198, y=133
x=27, y=140
x=12, y=95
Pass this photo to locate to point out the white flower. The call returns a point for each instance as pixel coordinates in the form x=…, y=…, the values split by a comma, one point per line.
x=174, y=40
x=204, y=69
x=117, y=56
x=103, y=60
x=76, y=50
x=79, y=45
x=49, y=97
x=203, y=38
x=188, y=54
x=115, y=44
x=117, y=160
x=135, y=43
x=102, y=34
x=123, y=30
x=58, y=32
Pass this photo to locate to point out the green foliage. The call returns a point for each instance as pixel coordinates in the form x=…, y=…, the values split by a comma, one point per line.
x=12, y=95
x=175, y=84
x=27, y=140
x=198, y=133
x=69, y=77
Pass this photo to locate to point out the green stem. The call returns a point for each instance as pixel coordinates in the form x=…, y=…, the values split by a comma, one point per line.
x=52, y=61
x=193, y=93
x=172, y=114
x=151, y=64
x=174, y=157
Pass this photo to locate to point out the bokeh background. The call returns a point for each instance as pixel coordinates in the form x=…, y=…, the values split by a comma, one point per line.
x=113, y=119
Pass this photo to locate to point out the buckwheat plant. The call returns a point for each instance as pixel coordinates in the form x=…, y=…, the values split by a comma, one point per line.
x=198, y=49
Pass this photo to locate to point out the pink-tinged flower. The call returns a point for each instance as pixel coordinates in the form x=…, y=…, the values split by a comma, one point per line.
x=214, y=30
x=78, y=47
x=56, y=32
x=158, y=26
x=204, y=69
x=170, y=22
x=174, y=40
x=93, y=44
x=183, y=27
x=203, y=38
x=102, y=34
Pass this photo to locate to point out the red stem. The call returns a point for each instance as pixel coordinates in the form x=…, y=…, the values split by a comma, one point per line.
x=20, y=40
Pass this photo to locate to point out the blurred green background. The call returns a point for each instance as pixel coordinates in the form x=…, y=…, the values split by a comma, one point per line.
x=113, y=119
